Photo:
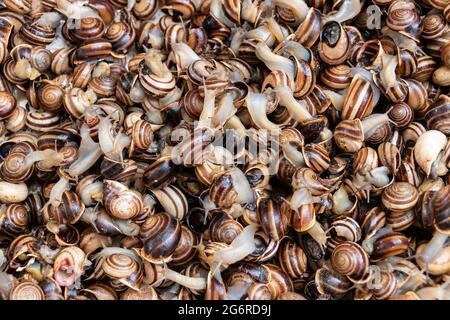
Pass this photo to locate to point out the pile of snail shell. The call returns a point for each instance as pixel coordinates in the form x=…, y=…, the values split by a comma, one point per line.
x=112, y=185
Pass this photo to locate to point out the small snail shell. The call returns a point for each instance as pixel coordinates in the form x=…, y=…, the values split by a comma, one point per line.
x=401, y=114
x=69, y=209
x=259, y=291
x=425, y=68
x=7, y=105
x=433, y=26
x=372, y=222
x=349, y=135
x=14, y=168
x=400, y=220
x=120, y=266
x=440, y=213
x=401, y=15
x=427, y=148
x=386, y=286
x=257, y=175
x=292, y=258
x=121, y=202
x=440, y=264
x=279, y=281
x=366, y=159
x=334, y=43
x=336, y=77
x=160, y=234
x=27, y=290
x=15, y=220
x=345, y=229
x=173, y=201
x=122, y=35
x=88, y=28
x=330, y=282
x=400, y=196
x=186, y=247
x=413, y=132
x=120, y=171
x=273, y=221
x=69, y=265
x=350, y=259
x=389, y=156
x=389, y=245
x=417, y=96
x=266, y=248
x=159, y=173
x=359, y=101
x=145, y=292
x=223, y=228
x=437, y=115
x=309, y=30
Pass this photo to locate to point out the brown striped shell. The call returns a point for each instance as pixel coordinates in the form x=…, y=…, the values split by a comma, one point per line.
x=349, y=135
x=400, y=196
x=391, y=244
x=121, y=202
x=160, y=234
x=437, y=116
x=273, y=221
x=172, y=200
x=292, y=258
x=27, y=290
x=350, y=259
x=334, y=43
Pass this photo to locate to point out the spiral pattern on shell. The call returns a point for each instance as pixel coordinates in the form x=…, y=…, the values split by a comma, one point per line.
x=7, y=105
x=121, y=202
x=27, y=290
x=160, y=234
x=292, y=258
x=400, y=196
x=119, y=266
x=437, y=116
x=350, y=259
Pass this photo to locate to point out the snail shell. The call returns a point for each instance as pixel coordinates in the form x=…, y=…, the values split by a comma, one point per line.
x=160, y=233
x=389, y=245
x=223, y=228
x=387, y=285
x=273, y=221
x=437, y=115
x=440, y=213
x=349, y=135
x=69, y=209
x=334, y=43
x=372, y=222
x=308, y=31
x=7, y=105
x=68, y=266
x=16, y=220
x=173, y=201
x=121, y=202
x=400, y=196
x=330, y=282
x=359, y=101
x=350, y=259
x=145, y=292
x=159, y=173
x=292, y=258
x=186, y=247
x=427, y=148
x=27, y=290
